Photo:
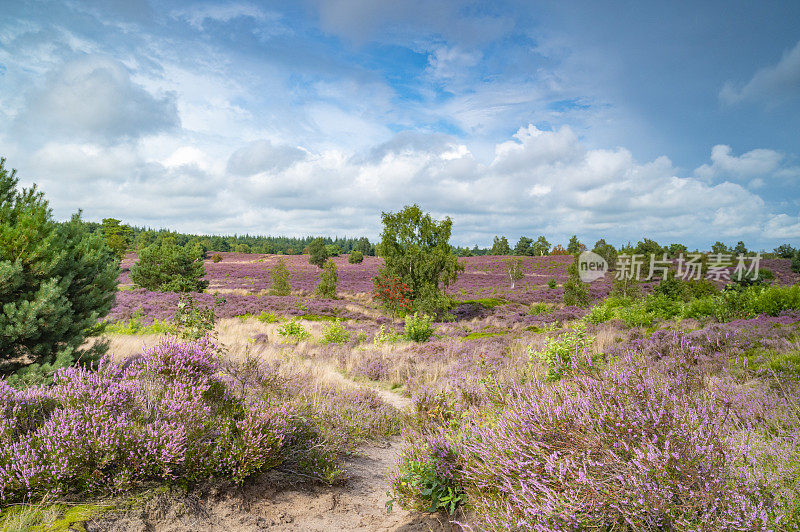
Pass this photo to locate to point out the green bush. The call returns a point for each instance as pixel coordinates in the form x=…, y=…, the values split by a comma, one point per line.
x=294, y=331
x=267, y=317
x=558, y=353
x=317, y=252
x=539, y=308
x=191, y=322
x=328, y=281
x=335, y=333
x=57, y=280
x=419, y=327
x=280, y=280
x=552, y=284
x=356, y=257
x=168, y=267
x=575, y=291
x=385, y=336
x=216, y=258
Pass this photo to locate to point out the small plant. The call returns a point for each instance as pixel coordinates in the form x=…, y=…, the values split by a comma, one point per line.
x=356, y=257
x=385, y=336
x=560, y=353
x=539, y=308
x=280, y=280
x=419, y=327
x=551, y=284
x=327, y=281
x=294, y=331
x=191, y=322
x=216, y=258
x=267, y=317
x=335, y=333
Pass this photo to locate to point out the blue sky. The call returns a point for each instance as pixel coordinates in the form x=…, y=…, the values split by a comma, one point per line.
x=671, y=120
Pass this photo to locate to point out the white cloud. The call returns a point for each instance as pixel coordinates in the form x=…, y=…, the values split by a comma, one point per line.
x=770, y=85
x=263, y=156
x=93, y=97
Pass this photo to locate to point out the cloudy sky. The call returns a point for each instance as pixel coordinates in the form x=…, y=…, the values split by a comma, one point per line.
x=677, y=121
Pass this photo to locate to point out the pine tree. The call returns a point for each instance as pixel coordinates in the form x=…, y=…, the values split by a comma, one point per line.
x=56, y=281
x=168, y=267
x=328, y=281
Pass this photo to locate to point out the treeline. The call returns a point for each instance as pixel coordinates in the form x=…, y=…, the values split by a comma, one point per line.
x=134, y=238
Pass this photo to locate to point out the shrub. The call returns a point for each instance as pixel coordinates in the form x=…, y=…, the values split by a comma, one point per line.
x=328, y=281
x=191, y=322
x=165, y=415
x=539, y=308
x=355, y=257
x=280, y=280
x=335, y=333
x=317, y=252
x=294, y=331
x=551, y=284
x=57, y=281
x=168, y=267
x=216, y=257
x=419, y=327
x=514, y=269
x=385, y=336
x=562, y=352
x=393, y=294
x=575, y=291
x=267, y=317
x=614, y=450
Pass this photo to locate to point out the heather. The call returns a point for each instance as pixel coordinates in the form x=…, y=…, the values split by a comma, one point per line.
x=166, y=415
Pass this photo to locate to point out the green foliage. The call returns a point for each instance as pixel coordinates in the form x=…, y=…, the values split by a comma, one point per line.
x=335, y=333
x=333, y=250
x=514, y=268
x=575, y=291
x=500, y=246
x=294, y=331
x=267, y=317
x=785, y=251
x=418, y=480
x=317, y=252
x=684, y=290
x=136, y=326
x=574, y=246
x=551, y=284
x=216, y=258
x=191, y=322
x=740, y=248
x=57, y=280
x=524, y=246
x=328, y=281
x=720, y=248
x=355, y=257
x=486, y=302
x=168, y=267
x=280, y=280
x=675, y=250
x=118, y=237
x=539, y=308
x=385, y=336
x=541, y=247
x=417, y=252
x=607, y=251
x=558, y=353
x=419, y=327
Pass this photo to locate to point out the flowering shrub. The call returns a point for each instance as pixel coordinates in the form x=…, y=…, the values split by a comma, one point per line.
x=393, y=294
x=164, y=415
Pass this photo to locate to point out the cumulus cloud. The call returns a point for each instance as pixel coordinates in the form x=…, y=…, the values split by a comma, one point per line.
x=94, y=97
x=771, y=85
x=263, y=156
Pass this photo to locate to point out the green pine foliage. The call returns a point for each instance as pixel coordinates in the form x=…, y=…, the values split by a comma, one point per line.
x=56, y=282
x=355, y=257
x=118, y=237
x=575, y=291
x=317, y=252
x=328, y=281
x=280, y=280
x=168, y=267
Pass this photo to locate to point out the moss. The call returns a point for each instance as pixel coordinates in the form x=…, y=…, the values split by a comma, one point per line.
x=486, y=302
x=485, y=334
x=51, y=518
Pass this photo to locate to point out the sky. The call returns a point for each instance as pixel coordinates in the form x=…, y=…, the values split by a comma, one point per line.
x=676, y=121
